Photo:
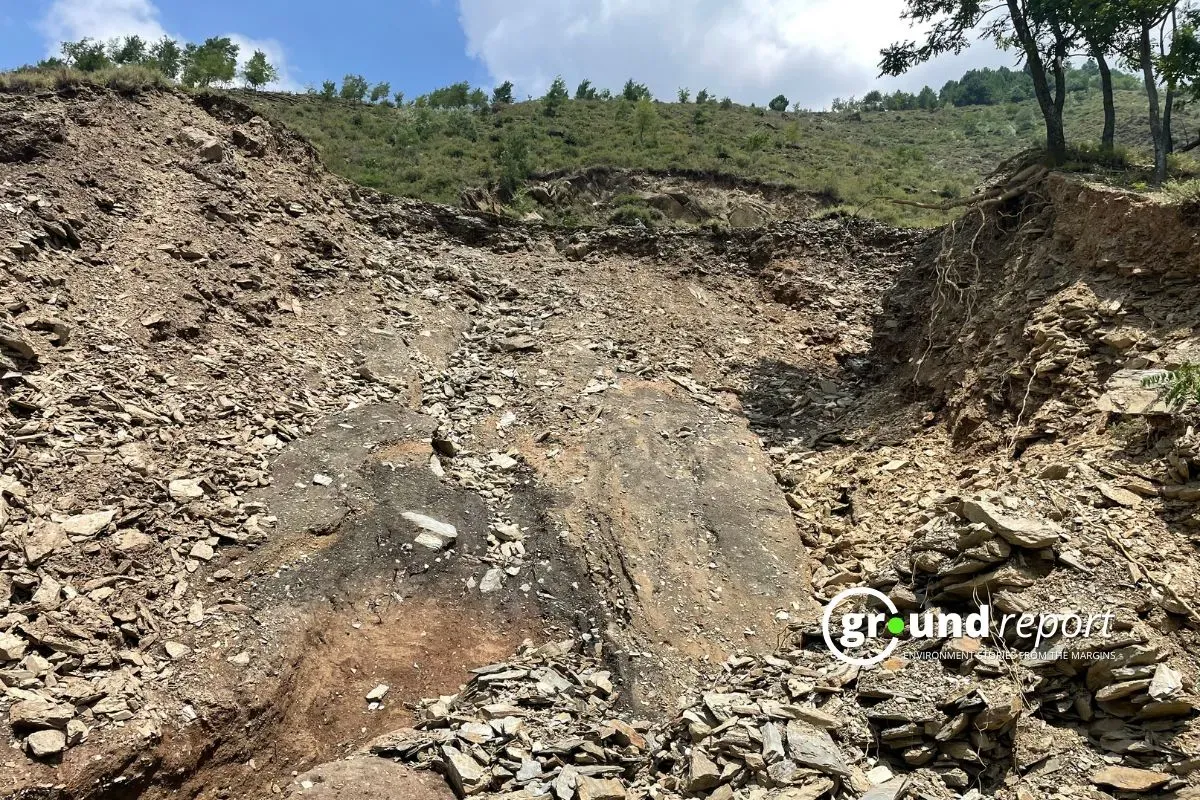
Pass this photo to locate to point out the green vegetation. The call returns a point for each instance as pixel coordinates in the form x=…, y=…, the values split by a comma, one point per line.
x=927, y=147
x=194, y=65
x=1179, y=388
x=259, y=72
x=1156, y=38
x=855, y=155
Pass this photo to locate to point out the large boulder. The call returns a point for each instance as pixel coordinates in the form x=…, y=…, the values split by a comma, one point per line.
x=367, y=778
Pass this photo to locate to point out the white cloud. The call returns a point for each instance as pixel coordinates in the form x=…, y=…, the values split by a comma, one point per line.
x=751, y=50
x=71, y=20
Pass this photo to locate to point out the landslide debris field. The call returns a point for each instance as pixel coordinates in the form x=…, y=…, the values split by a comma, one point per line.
x=313, y=492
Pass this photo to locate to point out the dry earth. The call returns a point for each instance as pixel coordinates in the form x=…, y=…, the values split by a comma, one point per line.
x=283, y=457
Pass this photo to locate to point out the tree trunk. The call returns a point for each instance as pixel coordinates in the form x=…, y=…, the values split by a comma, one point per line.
x=1168, y=103
x=1056, y=140
x=1108, y=139
x=1146, y=56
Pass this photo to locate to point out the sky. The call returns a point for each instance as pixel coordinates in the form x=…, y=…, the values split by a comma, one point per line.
x=751, y=50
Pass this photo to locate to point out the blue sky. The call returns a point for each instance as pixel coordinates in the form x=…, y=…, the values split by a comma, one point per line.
x=810, y=50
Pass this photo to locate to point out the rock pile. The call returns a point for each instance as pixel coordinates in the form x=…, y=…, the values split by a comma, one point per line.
x=546, y=721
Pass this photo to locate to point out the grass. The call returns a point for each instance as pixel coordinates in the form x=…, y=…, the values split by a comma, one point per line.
x=127, y=80
x=857, y=157
x=860, y=159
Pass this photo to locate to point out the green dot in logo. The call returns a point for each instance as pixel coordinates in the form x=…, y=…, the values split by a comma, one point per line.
x=896, y=626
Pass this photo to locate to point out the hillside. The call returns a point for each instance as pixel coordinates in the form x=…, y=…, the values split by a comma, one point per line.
x=312, y=492
x=851, y=157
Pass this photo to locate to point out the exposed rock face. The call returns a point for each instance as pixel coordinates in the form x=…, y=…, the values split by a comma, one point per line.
x=367, y=779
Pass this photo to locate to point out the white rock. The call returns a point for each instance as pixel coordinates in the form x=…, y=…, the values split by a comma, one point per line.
x=87, y=524
x=435, y=534
x=185, y=490
x=378, y=692
x=176, y=650
x=493, y=580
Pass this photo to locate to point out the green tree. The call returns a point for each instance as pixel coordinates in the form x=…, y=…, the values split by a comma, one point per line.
x=703, y=97
x=585, y=90
x=167, y=57
x=381, y=91
x=215, y=61
x=512, y=157
x=354, y=87
x=329, y=89
x=456, y=95
x=684, y=94
x=477, y=99
x=86, y=55
x=1037, y=27
x=645, y=119
x=130, y=50
x=398, y=99
x=503, y=94
x=779, y=103
x=555, y=96
x=634, y=91
x=927, y=99
x=258, y=71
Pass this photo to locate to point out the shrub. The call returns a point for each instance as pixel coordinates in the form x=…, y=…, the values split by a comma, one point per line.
x=779, y=103
x=1179, y=387
x=635, y=215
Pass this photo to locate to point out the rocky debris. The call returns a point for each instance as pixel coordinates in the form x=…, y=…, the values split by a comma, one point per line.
x=45, y=744
x=184, y=315
x=1126, y=779
x=544, y=721
x=434, y=534
x=205, y=146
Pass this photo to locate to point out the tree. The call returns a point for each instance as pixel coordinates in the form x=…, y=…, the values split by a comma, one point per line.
x=703, y=97
x=927, y=99
x=477, y=99
x=456, y=95
x=555, y=96
x=86, y=55
x=167, y=57
x=503, y=94
x=1143, y=18
x=130, y=50
x=1036, y=26
x=513, y=158
x=381, y=91
x=329, y=89
x=398, y=99
x=1100, y=23
x=354, y=87
x=684, y=94
x=258, y=71
x=644, y=118
x=780, y=103
x=585, y=90
x=634, y=91
x=215, y=61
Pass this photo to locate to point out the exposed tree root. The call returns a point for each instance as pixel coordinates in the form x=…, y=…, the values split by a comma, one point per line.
x=1021, y=183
